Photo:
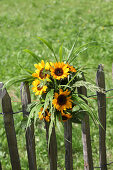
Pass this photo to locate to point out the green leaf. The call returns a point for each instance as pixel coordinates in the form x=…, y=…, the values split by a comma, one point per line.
x=80, y=69
x=49, y=97
x=17, y=79
x=38, y=107
x=88, y=86
x=52, y=123
x=71, y=51
x=24, y=122
x=28, y=71
x=76, y=119
x=60, y=53
x=34, y=103
x=84, y=45
x=34, y=113
x=86, y=108
x=58, y=124
x=48, y=45
x=33, y=55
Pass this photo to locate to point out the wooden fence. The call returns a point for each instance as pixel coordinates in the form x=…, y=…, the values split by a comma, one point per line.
x=52, y=153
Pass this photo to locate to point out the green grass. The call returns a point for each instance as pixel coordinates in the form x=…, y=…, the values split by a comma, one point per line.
x=61, y=22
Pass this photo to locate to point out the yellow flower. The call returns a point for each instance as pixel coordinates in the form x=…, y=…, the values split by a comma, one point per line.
x=46, y=115
x=37, y=88
x=40, y=115
x=71, y=68
x=59, y=70
x=40, y=70
x=62, y=101
x=65, y=117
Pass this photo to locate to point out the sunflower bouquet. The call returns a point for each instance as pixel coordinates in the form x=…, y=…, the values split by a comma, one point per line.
x=52, y=78
x=55, y=85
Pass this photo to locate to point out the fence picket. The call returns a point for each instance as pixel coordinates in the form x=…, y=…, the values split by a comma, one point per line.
x=86, y=139
x=52, y=150
x=10, y=129
x=30, y=138
x=0, y=166
x=68, y=145
x=101, y=98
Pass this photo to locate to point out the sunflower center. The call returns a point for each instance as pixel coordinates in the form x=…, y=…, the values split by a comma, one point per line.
x=39, y=88
x=58, y=71
x=41, y=74
x=61, y=99
x=46, y=113
x=64, y=118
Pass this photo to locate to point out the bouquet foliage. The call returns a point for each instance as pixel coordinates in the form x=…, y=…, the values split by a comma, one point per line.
x=55, y=84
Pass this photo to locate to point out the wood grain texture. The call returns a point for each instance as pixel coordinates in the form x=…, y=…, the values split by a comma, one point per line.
x=52, y=150
x=10, y=129
x=0, y=166
x=86, y=139
x=30, y=137
x=68, y=145
x=101, y=98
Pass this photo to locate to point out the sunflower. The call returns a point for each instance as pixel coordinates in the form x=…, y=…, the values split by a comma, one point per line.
x=40, y=115
x=38, y=89
x=40, y=70
x=45, y=116
x=59, y=70
x=65, y=117
x=71, y=68
x=62, y=101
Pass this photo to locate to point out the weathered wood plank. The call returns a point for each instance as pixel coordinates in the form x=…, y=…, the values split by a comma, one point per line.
x=10, y=129
x=68, y=145
x=30, y=138
x=52, y=150
x=86, y=139
x=101, y=98
x=0, y=166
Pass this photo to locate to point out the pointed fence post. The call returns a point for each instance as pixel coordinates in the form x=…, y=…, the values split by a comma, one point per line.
x=68, y=145
x=101, y=98
x=52, y=150
x=10, y=129
x=30, y=138
x=86, y=139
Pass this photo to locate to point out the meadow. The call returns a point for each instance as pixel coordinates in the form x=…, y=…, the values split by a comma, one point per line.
x=60, y=22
